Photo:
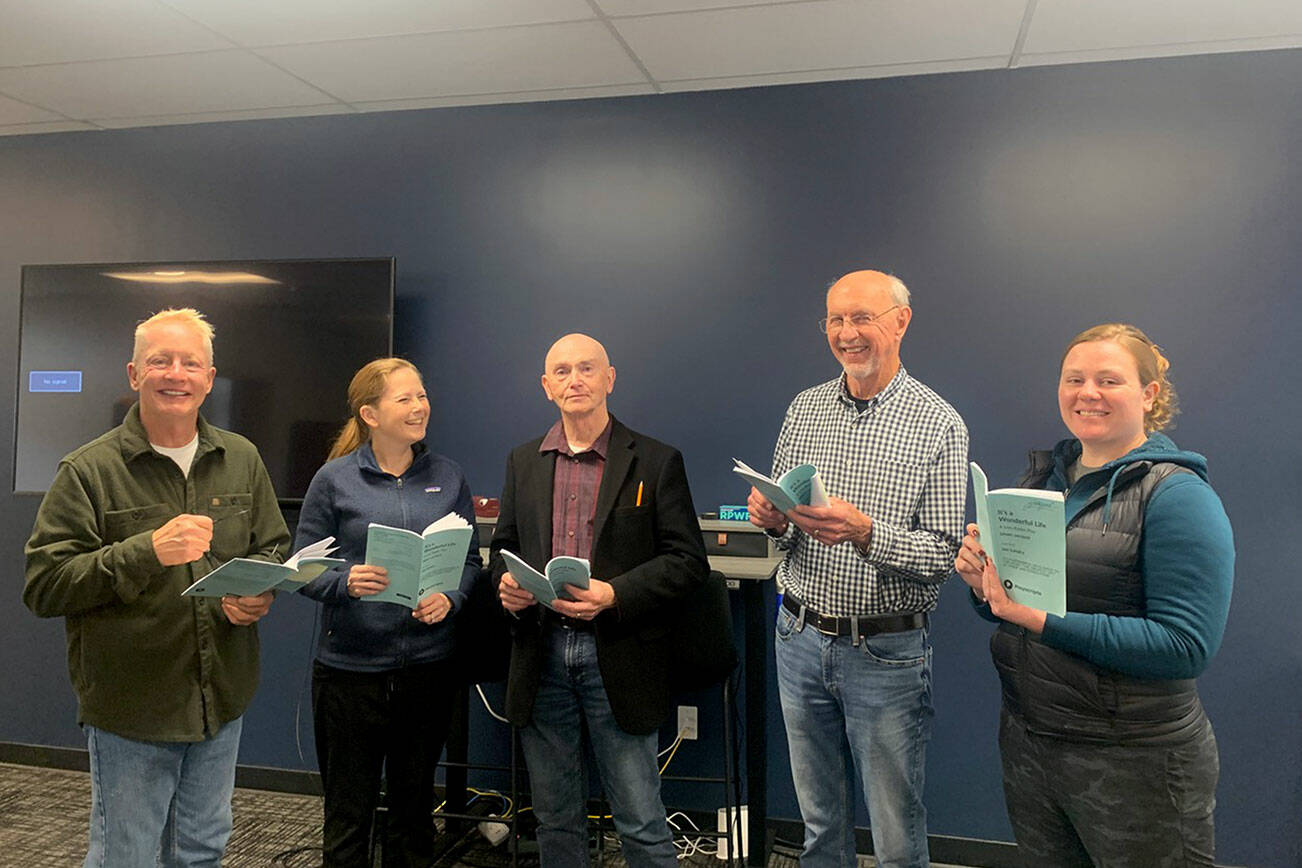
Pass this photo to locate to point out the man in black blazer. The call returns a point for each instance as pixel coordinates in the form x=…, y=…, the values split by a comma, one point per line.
x=592, y=488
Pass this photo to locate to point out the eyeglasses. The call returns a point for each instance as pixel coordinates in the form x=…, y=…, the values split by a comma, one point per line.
x=165, y=363
x=858, y=321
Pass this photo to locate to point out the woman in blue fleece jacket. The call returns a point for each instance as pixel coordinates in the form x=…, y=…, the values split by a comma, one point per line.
x=383, y=681
x=1108, y=756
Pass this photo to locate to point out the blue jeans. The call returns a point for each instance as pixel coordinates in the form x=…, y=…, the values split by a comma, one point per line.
x=570, y=691
x=862, y=711
x=160, y=803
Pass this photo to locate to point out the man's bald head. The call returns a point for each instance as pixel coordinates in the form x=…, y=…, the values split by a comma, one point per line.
x=868, y=280
x=576, y=342
x=577, y=376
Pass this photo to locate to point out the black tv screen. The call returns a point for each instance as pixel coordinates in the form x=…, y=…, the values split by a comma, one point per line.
x=289, y=336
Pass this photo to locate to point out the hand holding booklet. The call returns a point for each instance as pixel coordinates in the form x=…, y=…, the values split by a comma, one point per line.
x=418, y=564
x=799, y=486
x=1024, y=531
x=560, y=571
x=245, y=577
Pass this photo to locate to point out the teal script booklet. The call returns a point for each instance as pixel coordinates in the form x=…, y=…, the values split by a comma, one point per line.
x=560, y=571
x=245, y=577
x=1025, y=531
x=799, y=486
x=418, y=564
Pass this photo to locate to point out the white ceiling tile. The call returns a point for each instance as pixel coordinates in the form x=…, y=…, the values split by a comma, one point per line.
x=282, y=22
x=500, y=98
x=212, y=117
x=1137, y=52
x=147, y=62
x=14, y=112
x=1081, y=25
x=652, y=7
x=60, y=31
x=829, y=35
x=861, y=72
x=503, y=60
x=48, y=127
x=214, y=81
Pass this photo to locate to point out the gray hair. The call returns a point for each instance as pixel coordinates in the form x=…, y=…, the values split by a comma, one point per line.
x=899, y=292
x=187, y=316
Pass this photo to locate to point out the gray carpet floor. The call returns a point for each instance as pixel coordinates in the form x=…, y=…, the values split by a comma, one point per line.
x=43, y=818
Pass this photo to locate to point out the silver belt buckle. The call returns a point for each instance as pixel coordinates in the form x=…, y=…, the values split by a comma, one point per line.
x=818, y=625
x=819, y=628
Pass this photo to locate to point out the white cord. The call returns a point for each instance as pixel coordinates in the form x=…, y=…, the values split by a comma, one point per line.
x=484, y=699
x=689, y=845
x=307, y=680
x=677, y=741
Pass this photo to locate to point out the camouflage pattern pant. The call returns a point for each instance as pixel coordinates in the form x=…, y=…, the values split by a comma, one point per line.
x=1109, y=806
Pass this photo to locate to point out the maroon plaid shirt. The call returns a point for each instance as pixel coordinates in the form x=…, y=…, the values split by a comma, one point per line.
x=574, y=491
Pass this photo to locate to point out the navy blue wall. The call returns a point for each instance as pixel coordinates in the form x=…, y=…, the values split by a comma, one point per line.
x=694, y=234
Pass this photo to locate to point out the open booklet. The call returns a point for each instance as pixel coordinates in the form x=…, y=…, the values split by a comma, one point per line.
x=418, y=564
x=799, y=486
x=245, y=577
x=560, y=571
x=1025, y=531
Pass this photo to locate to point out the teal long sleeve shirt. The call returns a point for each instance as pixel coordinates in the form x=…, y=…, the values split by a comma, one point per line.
x=1187, y=557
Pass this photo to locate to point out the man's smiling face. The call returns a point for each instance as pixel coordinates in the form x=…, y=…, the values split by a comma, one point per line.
x=173, y=372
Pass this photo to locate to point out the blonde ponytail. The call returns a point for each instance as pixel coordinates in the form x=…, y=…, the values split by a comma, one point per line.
x=366, y=389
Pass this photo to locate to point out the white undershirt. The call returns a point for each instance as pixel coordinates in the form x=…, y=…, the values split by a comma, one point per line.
x=182, y=455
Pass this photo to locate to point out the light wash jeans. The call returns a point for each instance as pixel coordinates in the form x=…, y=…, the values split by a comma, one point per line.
x=160, y=803
x=571, y=691
x=862, y=711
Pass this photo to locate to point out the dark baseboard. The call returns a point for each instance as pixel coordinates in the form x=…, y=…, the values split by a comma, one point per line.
x=302, y=783
x=974, y=852
x=70, y=758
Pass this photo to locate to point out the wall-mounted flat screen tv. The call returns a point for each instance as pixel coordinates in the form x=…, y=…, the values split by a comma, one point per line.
x=289, y=336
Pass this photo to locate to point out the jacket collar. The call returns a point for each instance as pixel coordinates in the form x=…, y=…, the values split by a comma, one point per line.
x=135, y=439
x=366, y=458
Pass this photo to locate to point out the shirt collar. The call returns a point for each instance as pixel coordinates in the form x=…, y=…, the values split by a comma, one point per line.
x=888, y=391
x=554, y=441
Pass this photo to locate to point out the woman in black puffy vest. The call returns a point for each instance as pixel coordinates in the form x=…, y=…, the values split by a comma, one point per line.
x=1108, y=757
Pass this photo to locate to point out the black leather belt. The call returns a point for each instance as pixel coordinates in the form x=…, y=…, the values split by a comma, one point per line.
x=868, y=625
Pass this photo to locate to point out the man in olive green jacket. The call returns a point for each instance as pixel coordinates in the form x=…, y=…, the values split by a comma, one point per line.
x=132, y=519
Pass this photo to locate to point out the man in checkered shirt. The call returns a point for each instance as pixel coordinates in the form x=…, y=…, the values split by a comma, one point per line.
x=861, y=575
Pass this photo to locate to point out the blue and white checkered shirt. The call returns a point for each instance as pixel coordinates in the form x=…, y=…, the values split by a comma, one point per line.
x=903, y=462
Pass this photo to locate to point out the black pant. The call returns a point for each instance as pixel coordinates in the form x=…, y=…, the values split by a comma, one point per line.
x=368, y=721
x=1078, y=805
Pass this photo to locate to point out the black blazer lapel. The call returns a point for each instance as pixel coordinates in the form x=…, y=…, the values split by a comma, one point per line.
x=619, y=461
x=537, y=493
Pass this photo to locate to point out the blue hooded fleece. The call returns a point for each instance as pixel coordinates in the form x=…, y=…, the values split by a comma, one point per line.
x=345, y=496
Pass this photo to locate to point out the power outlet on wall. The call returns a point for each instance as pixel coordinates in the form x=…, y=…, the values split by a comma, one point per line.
x=687, y=722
